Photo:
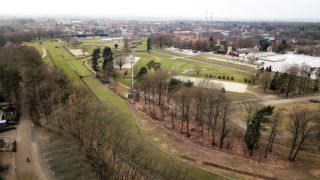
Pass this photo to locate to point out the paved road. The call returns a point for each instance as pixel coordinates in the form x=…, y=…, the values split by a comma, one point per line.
x=27, y=147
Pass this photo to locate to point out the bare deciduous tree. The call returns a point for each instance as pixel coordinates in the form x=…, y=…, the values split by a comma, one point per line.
x=301, y=127
x=275, y=120
x=120, y=60
x=214, y=100
x=248, y=108
x=292, y=71
x=201, y=101
x=225, y=117
x=184, y=97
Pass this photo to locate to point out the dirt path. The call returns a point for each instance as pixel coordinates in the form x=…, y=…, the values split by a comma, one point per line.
x=27, y=147
x=288, y=101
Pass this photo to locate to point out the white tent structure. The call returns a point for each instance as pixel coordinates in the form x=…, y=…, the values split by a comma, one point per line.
x=281, y=62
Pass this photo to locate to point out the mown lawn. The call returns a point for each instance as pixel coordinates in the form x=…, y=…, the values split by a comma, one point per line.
x=72, y=67
x=187, y=68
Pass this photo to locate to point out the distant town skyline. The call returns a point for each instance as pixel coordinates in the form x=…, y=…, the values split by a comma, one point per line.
x=290, y=10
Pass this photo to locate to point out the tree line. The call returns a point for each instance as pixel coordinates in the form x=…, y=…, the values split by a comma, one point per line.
x=296, y=80
x=211, y=110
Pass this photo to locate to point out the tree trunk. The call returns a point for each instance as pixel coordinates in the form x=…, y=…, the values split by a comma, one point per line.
x=172, y=119
x=289, y=87
x=212, y=136
x=271, y=144
x=188, y=128
x=291, y=152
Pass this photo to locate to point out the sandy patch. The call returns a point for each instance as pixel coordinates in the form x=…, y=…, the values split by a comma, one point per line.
x=229, y=86
x=78, y=52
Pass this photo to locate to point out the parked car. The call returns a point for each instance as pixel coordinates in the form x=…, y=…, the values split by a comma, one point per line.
x=12, y=123
x=315, y=100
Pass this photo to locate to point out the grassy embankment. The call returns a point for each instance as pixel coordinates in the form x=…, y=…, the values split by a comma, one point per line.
x=73, y=67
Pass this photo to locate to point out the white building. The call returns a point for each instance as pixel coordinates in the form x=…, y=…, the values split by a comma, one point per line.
x=281, y=62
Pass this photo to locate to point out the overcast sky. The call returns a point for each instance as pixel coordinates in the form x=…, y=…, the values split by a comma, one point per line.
x=195, y=9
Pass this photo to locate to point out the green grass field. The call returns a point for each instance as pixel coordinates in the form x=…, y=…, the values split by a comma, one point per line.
x=177, y=65
x=180, y=66
x=72, y=67
x=186, y=68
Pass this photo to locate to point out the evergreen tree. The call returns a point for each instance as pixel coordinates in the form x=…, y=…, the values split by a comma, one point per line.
x=142, y=72
x=274, y=85
x=149, y=43
x=174, y=84
x=107, y=57
x=269, y=69
x=153, y=65
x=253, y=131
x=107, y=65
x=95, y=58
x=264, y=44
x=282, y=47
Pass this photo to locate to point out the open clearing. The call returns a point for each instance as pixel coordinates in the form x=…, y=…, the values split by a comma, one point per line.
x=228, y=86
